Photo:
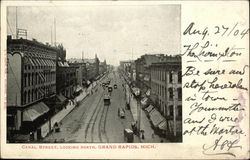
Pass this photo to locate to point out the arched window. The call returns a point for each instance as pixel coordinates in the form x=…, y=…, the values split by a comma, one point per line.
x=24, y=80
x=24, y=97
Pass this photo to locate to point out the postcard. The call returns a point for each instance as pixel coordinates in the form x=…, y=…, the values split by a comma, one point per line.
x=125, y=79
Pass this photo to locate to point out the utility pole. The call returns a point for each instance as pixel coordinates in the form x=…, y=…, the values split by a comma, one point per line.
x=51, y=36
x=139, y=116
x=55, y=29
x=16, y=25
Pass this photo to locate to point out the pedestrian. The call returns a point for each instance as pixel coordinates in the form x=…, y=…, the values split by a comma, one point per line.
x=142, y=136
x=153, y=135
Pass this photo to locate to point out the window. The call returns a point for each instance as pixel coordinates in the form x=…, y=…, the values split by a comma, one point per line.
x=179, y=77
x=24, y=97
x=29, y=79
x=32, y=78
x=24, y=80
x=171, y=110
x=179, y=111
x=179, y=90
x=171, y=95
x=171, y=77
x=28, y=97
x=32, y=95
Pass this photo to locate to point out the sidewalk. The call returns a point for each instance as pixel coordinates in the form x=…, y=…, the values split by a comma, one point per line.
x=149, y=136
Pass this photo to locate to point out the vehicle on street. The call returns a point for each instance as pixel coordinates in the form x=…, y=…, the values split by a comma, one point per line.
x=106, y=99
x=128, y=135
x=108, y=82
x=110, y=89
x=115, y=86
x=121, y=112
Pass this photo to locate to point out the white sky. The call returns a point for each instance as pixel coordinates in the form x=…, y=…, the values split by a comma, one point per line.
x=111, y=32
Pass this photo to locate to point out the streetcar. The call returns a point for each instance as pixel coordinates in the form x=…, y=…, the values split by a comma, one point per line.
x=106, y=99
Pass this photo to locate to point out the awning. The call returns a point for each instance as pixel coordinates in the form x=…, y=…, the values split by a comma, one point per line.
x=53, y=63
x=41, y=62
x=78, y=89
x=44, y=61
x=32, y=63
x=35, y=111
x=60, y=64
x=38, y=62
x=149, y=108
x=144, y=101
x=47, y=62
x=156, y=117
x=61, y=98
x=163, y=125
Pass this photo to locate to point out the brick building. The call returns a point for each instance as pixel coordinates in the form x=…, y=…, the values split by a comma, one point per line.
x=81, y=71
x=31, y=79
x=166, y=91
x=142, y=67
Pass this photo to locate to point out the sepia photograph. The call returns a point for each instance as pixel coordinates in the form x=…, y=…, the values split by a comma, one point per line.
x=124, y=79
x=99, y=74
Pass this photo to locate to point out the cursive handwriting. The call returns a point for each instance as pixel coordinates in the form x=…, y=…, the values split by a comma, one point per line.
x=221, y=147
x=203, y=51
x=198, y=107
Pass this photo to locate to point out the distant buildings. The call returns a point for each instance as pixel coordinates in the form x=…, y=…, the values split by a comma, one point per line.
x=90, y=70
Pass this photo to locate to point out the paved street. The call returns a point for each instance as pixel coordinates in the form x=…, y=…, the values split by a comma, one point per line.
x=91, y=121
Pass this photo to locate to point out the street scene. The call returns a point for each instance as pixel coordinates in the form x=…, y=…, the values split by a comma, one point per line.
x=107, y=75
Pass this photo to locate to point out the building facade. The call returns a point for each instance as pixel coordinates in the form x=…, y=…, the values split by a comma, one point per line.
x=31, y=78
x=166, y=91
x=81, y=72
x=142, y=67
x=66, y=79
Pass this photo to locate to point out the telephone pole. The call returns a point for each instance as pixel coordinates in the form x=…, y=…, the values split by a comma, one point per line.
x=16, y=25
x=55, y=29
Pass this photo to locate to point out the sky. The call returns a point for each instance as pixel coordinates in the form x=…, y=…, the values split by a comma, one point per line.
x=114, y=33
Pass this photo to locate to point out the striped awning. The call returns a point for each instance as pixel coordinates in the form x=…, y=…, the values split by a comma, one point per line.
x=35, y=111
x=149, y=108
x=156, y=117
